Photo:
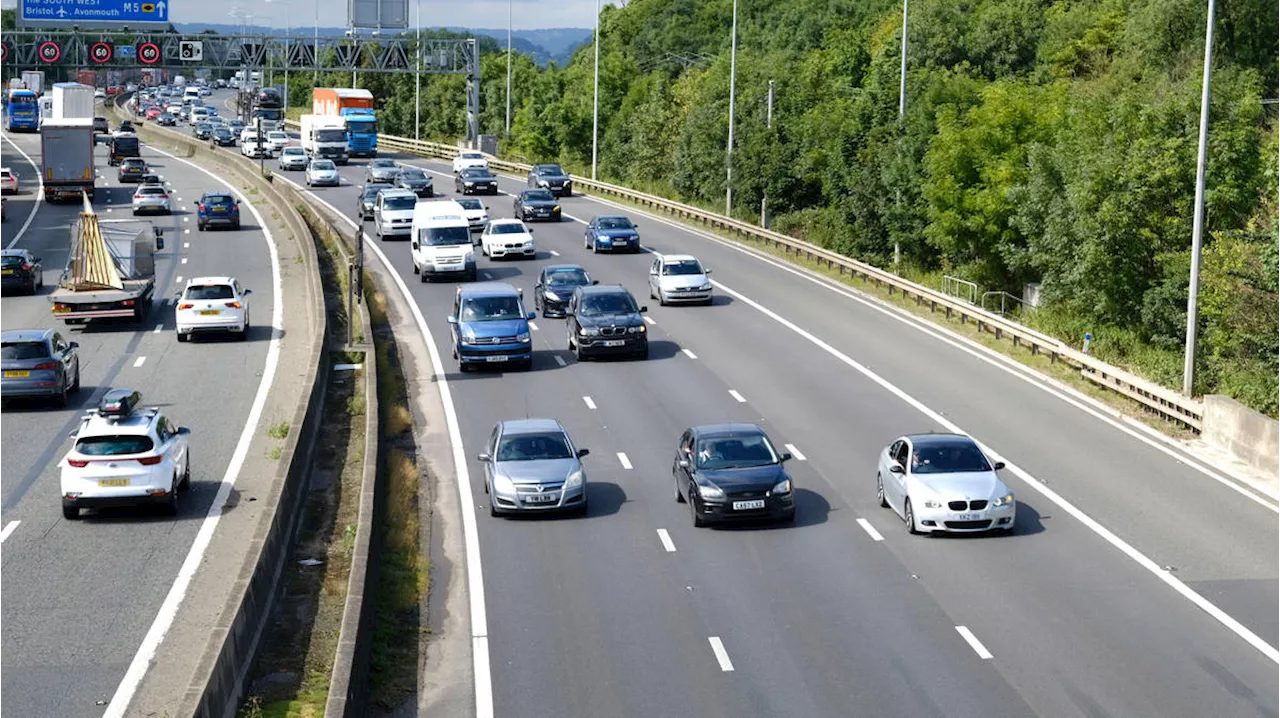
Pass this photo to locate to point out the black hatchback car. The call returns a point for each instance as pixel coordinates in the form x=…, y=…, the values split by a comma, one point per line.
x=604, y=320
x=552, y=178
x=224, y=137
x=21, y=270
x=555, y=286
x=732, y=471
x=368, y=197
x=416, y=181
x=132, y=169
x=474, y=180
x=536, y=204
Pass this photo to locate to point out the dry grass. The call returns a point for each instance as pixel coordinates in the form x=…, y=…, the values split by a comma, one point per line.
x=395, y=419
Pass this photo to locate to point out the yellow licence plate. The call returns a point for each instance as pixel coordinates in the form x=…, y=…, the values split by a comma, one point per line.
x=113, y=482
x=7, y=272
x=16, y=374
x=209, y=312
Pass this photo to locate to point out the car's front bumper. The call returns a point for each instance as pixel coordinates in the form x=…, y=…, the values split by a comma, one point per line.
x=685, y=295
x=559, y=191
x=548, y=215
x=500, y=252
x=945, y=519
x=293, y=165
x=497, y=355
x=617, y=244
x=476, y=187
x=324, y=182
x=621, y=344
x=776, y=508
x=523, y=501
x=438, y=268
x=395, y=231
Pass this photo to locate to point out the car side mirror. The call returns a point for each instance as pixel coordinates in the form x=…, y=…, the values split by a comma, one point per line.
x=998, y=465
x=532, y=316
x=595, y=282
x=530, y=230
x=486, y=208
x=453, y=319
x=683, y=463
x=896, y=469
x=159, y=242
x=483, y=457
x=583, y=452
x=73, y=345
x=653, y=271
x=643, y=309
x=183, y=431
x=707, y=272
x=414, y=244
x=786, y=456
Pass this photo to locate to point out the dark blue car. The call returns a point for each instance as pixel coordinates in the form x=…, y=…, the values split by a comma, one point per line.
x=218, y=208
x=612, y=233
x=491, y=327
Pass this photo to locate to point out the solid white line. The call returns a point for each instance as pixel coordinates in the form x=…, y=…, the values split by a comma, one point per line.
x=667, y=543
x=649, y=320
x=795, y=453
x=721, y=655
x=974, y=643
x=689, y=354
x=871, y=530
x=554, y=253
x=35, y=205
x=482, y=672
x=1106, y=534
x=560, y=360
x=8, y=529
x=533, y=327
x=139, y=362
x=590, y=404
x=195, y=556
x=157, y=329
x=733, y=393
x=626, y=463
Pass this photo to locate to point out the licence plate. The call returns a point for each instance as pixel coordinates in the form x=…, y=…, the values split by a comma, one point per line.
x=748, y=505
x=219, y=209
x=966, y=517
x=16, y=374
x=615, y=342
x=209, y=312
x=541, y=498
x=497, y=358
x=113, y=482
x=8, y=272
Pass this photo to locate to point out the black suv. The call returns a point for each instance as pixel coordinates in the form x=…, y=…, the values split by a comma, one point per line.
x=604, y=319
x=551, y=177
x=536, y=204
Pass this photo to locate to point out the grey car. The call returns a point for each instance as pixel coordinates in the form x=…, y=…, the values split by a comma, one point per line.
x=532, y=466
x=381, y=171
x=322, y=172
x=368, y=197
x=293, y=158
x=38, y=363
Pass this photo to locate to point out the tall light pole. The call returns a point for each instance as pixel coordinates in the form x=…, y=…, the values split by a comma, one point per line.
x=902, y=81
x=733, y=73
x=595, y=104
x=768, y=123
x=509, y=15
x=417, y=79
x=315, y=45
x=1197, y=226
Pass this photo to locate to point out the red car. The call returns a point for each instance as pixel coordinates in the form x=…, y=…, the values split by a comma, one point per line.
x=154, y=112
x=114, y=90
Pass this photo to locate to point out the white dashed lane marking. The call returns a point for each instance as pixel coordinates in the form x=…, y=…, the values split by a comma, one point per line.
x=590, y=404
x=722, y=656
x=974, y=643
x=622, y=459
x=139, y=362
x=8, y=530
x=734, y=393
x=871, y=530
x=667, y=543
x=795, y=452
x=689, y=354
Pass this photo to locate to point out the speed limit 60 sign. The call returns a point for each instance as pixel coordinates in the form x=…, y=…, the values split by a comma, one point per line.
x=191, y=50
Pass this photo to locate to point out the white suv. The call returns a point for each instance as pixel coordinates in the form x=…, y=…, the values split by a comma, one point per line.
x=249, y=145
x=469, y=159
x=212, y=305
x=125, y=455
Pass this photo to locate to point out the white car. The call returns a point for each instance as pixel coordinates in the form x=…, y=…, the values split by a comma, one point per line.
x=249, y=145
x=209, y=305
x=469, y=159
x=125, y=455
x=476, y=213
x=99, y=94
x=8, y=181
x=679, y=278
x=322, y=172
x=504, y=238
x=278, y=139
x=293, y=158
x=944, y=482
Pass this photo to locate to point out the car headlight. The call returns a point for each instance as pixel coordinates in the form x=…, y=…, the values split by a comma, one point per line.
x=548, y=294
x=705, y=287
x=932, y=504
x=469, y=184
x=470, y=256
x=543, y=183
x=574, y=480
x=523, y=337
x=1002, y=501
x=636, y=330
x=782, y=487
x=555, y=208
x=588, y=331
x=503, y=485
x=528, y=208
x=709, y=491
x=468, y=337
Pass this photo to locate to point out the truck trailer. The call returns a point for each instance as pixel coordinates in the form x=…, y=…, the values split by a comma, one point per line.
x=72, y=100
x=34, y=80
x=66, y=157
x=355, y=106
x=110, y=272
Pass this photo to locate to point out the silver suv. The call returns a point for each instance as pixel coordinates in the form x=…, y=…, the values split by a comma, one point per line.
x=530, y=466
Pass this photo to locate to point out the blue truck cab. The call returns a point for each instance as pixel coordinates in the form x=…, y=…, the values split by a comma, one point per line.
x=362, y=131
x=491, y=327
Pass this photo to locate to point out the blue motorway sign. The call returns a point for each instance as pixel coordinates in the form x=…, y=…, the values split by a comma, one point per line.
x=90, y=12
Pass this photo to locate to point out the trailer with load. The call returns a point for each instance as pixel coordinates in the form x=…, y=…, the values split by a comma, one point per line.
x=110, y=272
x=66, y=158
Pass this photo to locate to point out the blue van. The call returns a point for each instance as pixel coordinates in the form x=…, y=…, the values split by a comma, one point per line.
x=491, y=327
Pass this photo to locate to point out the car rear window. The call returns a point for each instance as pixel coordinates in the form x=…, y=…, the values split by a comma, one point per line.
x=218, y=199
x=210, y=291
x=149, y=190
x=23, y=350
x=114, y=445
x=12, y=260
x=134, y=163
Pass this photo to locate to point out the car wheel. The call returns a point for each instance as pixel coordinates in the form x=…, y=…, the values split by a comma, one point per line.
x=910, y=516
x=199, y=226
x=493, y=507
x=70, y=512
x=884, y=503
x=577, y=352
x=244, y=333
x=471, y=276
x=662, y=299
x=185, y=484
x=675, y=485
x=236, y=226
x=62, y=397
x=698, y=521
x=422, y=277
x=172, y=506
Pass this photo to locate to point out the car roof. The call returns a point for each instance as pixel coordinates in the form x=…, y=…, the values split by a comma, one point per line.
x=219, y=193
x=611, y=216
x=561, y=267
x=199, y=281
x=383, y=162
x=397, y=192
x=530, y=426
x=728, y=430
x=15, y=252
x=547, y=167
x=24, y=335
x=678, y=258
x=532, y=190
x=603, y=289
x=505, y=220
x=941, y=439
x=487, y=289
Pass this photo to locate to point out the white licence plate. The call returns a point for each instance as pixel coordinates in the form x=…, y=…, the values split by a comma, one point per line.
x=541, y=498
x=965, y=517
x=748, y=505
x=497, y=358
x=615, y=342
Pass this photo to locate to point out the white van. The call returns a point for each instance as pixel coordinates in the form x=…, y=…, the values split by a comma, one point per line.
x=191, y=94
x=441, y=241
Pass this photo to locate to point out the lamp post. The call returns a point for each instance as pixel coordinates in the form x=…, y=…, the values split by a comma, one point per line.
x=509, y=13
x=417, y=76
x=733, y=71
x=1197, y=226
x=595, y=104
x=768, y=123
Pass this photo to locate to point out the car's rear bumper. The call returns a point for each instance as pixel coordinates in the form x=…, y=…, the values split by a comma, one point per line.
x=228, y=220
x=152, y=208
x=42, y=386
x=17, y=282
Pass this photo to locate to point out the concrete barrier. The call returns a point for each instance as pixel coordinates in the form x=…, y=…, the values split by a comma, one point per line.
x=1248, y=435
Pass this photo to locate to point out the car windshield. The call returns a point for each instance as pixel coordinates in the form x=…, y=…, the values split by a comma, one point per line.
x=278, y=136
x=399, y=202
x=323, y=165
x=487, y=309
x=476, y=173
x=222, y=132
x=570, y=277
x=294, y=151
x=469, y=203
x=508, y=228
x=114, y=445
x=444, y=236
x=371, y=191
x=681, y=266
x=735, y=452
x=210, y=291
x=472, y=156
x=551, y=170
x=595, y=304
x=948, y=459
x=413, y=174
x=540, y=195
x=534, y=447
x=23, y=350
x=204, y=126
x=331, y=135
x=383, y=163
x=614, y=223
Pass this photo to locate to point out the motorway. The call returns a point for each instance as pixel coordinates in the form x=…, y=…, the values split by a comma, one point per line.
x=79, y=596
x=1089, y=609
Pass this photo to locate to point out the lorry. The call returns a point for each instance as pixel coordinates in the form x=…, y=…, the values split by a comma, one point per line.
x=87, y=77
x=72, y=100
x=34, y=80
x=325, y=136
x=22, y=111
x=355, y=106
x=110, y=271
x=66, y=157
x=268, y=104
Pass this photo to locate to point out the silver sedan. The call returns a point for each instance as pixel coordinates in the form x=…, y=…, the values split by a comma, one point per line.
x=944, y=482
x=530, y=466
x=322, y=172
x=679, y=278
x=151, y=198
